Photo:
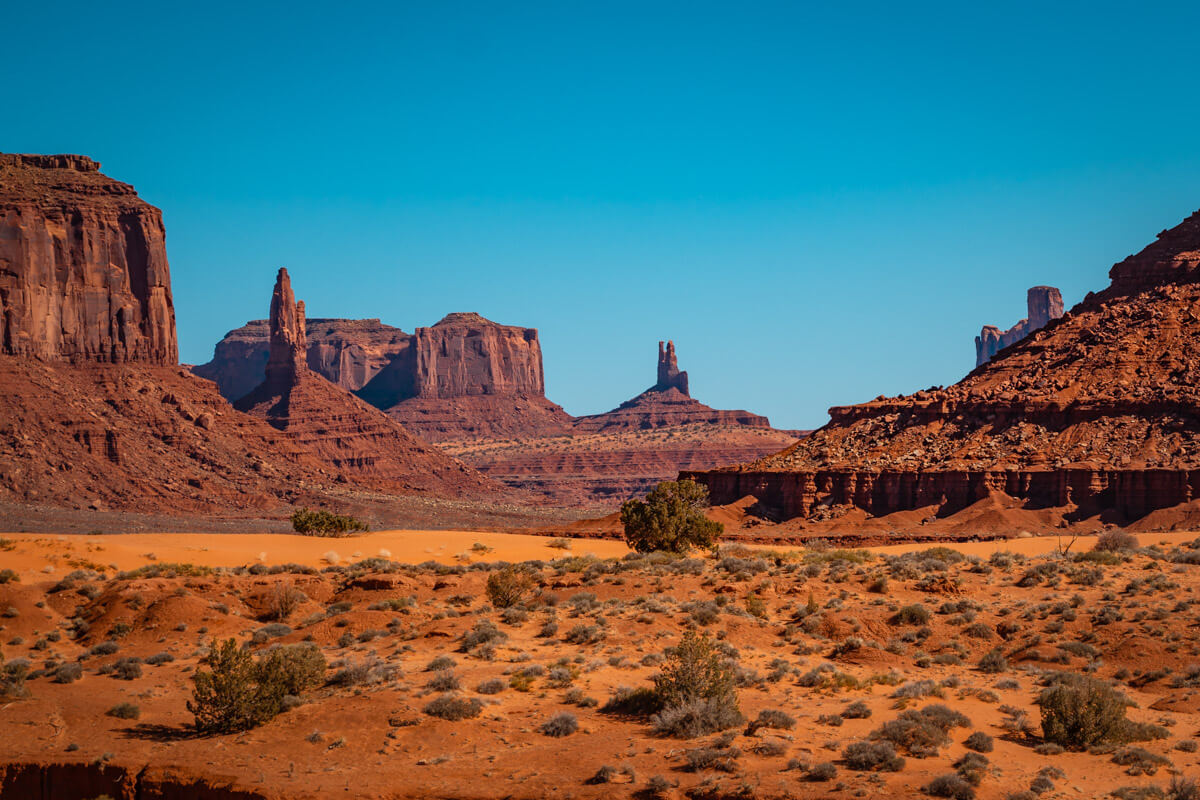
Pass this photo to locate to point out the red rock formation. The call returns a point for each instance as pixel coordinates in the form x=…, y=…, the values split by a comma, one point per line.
x=1097, y=413
x=348, y=352
x=625, y=452
x=665, y=404
x=1044, y=303
x=357, y=440
x=669, y=374
x=83, y=265
x=465, y=376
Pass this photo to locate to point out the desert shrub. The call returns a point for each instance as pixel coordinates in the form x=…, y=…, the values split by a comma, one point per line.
x=128, y=669
x=284, y=600
x=856, y=710
x=292, y=669
x=8, y=576
x=972, y=767
x=872, y=756
x=921, y=733
x=993, y=662
x=825, y=771
x=671, y=518
x=125, y=711
x=507, y=587
x=371, y=670
x=453, y=707
x=1182, y=788
x=950, y=785
x=980, y=742
x=771, y=718
x=159, y=658
x=1081, y=713
x=485, y=632
x=104, y=648
x=915, y=614
x=723, y=759
x=698, y=718
x=440, y=663
x=1139, y=760
x=325, y=523
x=444, y=680
x=633, y=702
x=12, y=678
x=1115, y=542
x=584, y=634
x=491, y=686
x=562, y=724
x=68, y=673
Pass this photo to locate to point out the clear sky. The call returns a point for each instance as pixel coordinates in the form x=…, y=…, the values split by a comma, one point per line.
x=820, y=203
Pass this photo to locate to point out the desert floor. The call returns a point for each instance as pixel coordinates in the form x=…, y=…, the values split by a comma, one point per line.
x=815, y=634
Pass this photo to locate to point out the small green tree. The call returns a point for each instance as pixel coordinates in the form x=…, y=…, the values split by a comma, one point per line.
x=671, y=518
x=236, y=693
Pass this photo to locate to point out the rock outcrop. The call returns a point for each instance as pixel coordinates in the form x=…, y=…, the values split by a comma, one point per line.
x=83, y=265
x=465, y=376
x=1096, y=414
x=666, y=404
x=1044, y=303
x=669, y=374
x=358, y=441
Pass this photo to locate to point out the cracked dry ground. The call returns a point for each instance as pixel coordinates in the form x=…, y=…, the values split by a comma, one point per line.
x=834, y=644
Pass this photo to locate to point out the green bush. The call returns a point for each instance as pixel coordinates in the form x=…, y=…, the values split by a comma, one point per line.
x=671, y=519
x=1082, y=712
x=236, y=693
x=697, y=690
x=325, y=523
x=508, y=586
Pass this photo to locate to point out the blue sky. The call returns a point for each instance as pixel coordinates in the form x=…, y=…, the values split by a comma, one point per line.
x=818, y=204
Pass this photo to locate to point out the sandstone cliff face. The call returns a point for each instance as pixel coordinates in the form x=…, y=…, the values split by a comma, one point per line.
x=1097, y=413
x=358, y=441
x=83, y=265
x=1044, y=303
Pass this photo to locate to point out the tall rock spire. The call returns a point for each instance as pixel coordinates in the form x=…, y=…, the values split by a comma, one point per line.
x=669, y=374
x=288, y=358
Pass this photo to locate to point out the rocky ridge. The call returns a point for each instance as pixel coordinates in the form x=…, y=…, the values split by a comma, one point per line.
x=1096, y=413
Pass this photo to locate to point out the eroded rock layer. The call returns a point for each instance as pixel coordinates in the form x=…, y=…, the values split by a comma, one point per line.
x=83, y=265
x=1097, y=413
x=358, y=441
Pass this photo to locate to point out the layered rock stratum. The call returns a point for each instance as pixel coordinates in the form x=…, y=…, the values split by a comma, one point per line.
x=1044, y=304
x=1097, y=413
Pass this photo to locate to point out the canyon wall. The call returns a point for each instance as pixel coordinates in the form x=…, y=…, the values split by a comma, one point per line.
x=1044, y=304
x=83, y=265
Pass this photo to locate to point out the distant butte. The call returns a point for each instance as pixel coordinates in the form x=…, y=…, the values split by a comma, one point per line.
x=1045, y=304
